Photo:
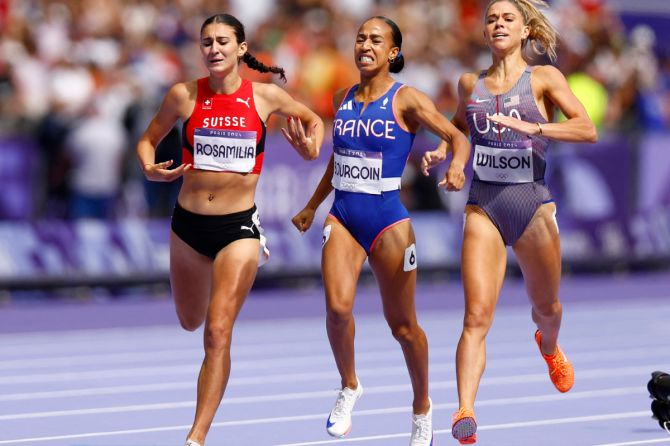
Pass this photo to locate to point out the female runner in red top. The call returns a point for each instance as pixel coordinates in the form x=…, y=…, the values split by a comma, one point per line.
x=215, y=237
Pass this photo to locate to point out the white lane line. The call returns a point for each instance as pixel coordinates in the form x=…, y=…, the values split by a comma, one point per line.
x=546, y=422
x=127, y=338
x=98, y=391
x=242, y=357
x=103, y=358
x=367, y=373
x=630, y=443
x=115, y=338
x=98, y=434
x=99, y=374
x=245, y=352
x=283, y=378
x=523, y=379
x=112, y=355
x=195, y=356
x=362, y=413
x=634, y=354
x=293, y=377
x=194, y=366
x=99, y=410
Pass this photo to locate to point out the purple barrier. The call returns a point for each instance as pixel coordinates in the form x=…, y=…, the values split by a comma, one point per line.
x=613, y=205
x=86, y=248
x=613, y=198
x=18, y=167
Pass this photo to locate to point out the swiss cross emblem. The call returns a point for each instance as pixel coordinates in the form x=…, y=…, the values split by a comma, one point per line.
x=207, y=104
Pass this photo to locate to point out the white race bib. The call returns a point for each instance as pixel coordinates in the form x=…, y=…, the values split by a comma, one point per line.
x=224, y=150
x=410, y=258
x=357, y=171
x=504, y=165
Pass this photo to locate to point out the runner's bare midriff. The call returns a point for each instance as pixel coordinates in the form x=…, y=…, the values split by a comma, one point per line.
x=217, y=193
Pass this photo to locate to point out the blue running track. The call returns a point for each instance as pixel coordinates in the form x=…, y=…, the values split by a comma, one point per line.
x=124, y=373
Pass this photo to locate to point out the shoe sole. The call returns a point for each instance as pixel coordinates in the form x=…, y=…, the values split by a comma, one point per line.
x=432, y=440
x=339, y=436
x=463, y=429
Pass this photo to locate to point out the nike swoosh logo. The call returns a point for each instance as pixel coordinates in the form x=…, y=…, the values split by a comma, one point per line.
x=329, y=424
x=479, y=101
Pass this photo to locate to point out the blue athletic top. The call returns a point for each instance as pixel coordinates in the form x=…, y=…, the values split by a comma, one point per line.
x=375, y=129
x=370, y=152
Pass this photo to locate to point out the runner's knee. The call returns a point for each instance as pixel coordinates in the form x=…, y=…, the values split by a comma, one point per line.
x=548, y=309
x=478, y=319
x=339, y=312
x=404, y=333
x=218, y=336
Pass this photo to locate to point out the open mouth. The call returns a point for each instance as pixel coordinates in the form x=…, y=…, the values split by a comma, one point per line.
x=365, y=60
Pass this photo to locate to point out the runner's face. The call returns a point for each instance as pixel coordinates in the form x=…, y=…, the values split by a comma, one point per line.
x=504, y=27
x=219, y=48
x=374, y=46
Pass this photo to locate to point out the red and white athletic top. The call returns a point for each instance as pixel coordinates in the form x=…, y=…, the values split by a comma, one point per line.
x=224, y=133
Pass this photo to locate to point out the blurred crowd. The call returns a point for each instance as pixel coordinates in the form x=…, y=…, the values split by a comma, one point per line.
x=82, y=78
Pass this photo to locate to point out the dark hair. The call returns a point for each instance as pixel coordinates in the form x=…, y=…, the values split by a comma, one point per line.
x=247, y=58
x=398, y=63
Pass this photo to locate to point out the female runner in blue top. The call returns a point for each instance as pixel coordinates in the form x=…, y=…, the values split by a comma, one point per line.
x=507, y=110
x=373, y=131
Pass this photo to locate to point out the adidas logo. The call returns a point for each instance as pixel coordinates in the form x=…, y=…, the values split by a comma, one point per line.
x=347, y=105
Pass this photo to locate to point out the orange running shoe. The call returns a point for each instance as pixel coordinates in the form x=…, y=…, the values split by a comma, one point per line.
x=561, y=373
x=464, y=426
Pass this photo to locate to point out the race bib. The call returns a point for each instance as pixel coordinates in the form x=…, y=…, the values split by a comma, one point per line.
x=357, y=171
x=224, y=150
x=410, y=258
x=502, y=162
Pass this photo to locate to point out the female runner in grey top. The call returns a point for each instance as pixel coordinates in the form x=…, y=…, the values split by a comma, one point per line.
x=508, y=111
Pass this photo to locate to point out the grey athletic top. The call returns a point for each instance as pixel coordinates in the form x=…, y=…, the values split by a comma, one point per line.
x=509, y=167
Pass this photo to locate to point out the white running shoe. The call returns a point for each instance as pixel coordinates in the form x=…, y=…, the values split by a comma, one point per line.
x=339, y=420
x=192, y=443
x=422, y=428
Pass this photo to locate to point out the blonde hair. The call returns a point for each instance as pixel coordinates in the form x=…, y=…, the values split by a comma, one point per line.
x=543, y=36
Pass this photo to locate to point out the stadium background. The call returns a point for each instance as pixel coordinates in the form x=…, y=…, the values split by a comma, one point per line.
x=80, y=79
